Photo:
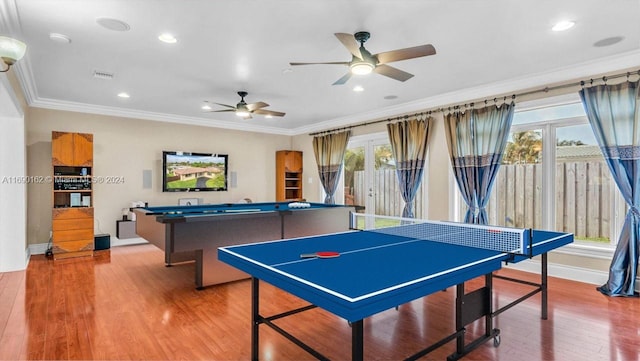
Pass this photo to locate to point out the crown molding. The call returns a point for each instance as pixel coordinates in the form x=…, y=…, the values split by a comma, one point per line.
x=161, y=117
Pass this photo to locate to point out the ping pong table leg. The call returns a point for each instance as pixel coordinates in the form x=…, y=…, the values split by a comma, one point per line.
x=357, y=343
x=543, y=286
x=255, y=315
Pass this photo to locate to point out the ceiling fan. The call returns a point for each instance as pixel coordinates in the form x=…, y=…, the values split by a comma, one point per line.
x=363, y=62
x=244, y=110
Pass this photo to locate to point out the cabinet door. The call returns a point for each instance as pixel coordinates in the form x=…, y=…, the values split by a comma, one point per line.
x=62, y=148
x=293, y=161
x=82, y=149
x=72, y=149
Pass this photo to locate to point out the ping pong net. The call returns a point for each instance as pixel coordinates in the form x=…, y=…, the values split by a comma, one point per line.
x=514, y=241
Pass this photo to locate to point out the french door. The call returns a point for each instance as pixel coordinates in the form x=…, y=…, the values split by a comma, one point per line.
x=370, y=181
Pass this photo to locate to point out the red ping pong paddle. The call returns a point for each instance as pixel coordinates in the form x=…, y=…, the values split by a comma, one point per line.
x=323, y=254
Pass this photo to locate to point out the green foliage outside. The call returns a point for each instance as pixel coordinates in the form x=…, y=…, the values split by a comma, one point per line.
x=215, y=182
x=526, y=147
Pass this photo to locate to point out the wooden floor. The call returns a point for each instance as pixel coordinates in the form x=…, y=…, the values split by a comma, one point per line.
x=124, y=304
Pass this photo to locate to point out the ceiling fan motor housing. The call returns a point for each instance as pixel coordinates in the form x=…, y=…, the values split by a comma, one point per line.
x=362, y=36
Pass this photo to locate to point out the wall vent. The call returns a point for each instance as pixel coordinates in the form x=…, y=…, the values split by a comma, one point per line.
x=102, y=74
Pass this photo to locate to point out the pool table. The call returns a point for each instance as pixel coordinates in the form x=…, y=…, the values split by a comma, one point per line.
x=194, y=233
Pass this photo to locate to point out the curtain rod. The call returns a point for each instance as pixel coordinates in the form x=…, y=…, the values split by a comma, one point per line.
x=581, y=83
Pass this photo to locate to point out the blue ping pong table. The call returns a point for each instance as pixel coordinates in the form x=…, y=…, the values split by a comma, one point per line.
x=380, y=269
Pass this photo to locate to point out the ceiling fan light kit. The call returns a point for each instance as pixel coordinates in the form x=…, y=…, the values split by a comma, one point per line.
x=242, y=112
x=361, y=67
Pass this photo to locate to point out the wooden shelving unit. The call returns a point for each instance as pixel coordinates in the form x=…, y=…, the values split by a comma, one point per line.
x=288, y=175
x=72, y=214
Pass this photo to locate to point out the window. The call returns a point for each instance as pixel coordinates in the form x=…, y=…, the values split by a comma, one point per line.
x=553, y=176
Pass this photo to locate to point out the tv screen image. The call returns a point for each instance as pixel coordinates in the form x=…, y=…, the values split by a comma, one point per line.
x=184, y=172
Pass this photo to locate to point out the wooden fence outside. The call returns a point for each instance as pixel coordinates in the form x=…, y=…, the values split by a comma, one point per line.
x=388, y=199
x=584, y=197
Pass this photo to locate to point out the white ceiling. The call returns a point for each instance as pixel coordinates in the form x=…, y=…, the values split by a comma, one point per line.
x=483, y=48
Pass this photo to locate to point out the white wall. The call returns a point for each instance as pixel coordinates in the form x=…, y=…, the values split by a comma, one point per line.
x=13, y=255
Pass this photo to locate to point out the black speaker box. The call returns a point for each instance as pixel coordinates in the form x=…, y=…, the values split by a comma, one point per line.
x=102, y=241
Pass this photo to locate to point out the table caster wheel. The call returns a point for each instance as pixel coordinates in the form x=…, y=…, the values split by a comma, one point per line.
x=496, y=341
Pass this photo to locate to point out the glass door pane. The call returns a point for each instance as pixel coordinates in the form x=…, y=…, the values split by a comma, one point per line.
x=587, y=198
x=516, y=199
x=355, y=185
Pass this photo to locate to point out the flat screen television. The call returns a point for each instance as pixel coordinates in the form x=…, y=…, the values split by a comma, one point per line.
x=194, y=172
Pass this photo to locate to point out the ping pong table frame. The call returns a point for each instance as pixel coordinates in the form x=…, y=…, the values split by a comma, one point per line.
x=469, y=308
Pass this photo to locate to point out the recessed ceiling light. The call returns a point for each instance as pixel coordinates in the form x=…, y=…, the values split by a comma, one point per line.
x=113, y=24
x=608, y=41
x=268, y=116
x=358, y=88
x=167, y=38
x=59, y=38
x=124, y=95
x=206, y=107
x=563, y=25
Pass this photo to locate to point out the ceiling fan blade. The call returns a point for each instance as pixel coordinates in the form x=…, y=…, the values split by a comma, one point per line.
x=393, y=73
x=404, y=54
x=224, y=105
x=331, y=62
x=343, y=80
x=223, y=110
x=269, y=112
x=350, y=43
x=258, y=105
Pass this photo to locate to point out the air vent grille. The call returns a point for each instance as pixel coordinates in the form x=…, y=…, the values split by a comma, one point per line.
x=102, y=74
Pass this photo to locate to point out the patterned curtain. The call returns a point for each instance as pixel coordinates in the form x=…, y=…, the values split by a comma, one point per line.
x=409, y=141
x=476, y=140
x=613, y=111
x=329, y=150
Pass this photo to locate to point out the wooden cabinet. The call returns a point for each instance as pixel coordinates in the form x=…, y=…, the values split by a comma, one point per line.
x=72, y=232
x=72, y=149
x=72, y=215
x=288, y=175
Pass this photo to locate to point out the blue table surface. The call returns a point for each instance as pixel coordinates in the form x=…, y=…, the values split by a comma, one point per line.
x=370, y=265
x=236, y=207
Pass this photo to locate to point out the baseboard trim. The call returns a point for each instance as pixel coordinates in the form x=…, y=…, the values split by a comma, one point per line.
x=37, y=248
x=41, y=248
x=579, y=274
x=116, y=242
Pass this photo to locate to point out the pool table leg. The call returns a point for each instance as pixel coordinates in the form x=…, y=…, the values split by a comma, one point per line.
x=199, y=270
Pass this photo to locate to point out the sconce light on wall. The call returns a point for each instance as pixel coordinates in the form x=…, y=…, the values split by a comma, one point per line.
x=11, y=50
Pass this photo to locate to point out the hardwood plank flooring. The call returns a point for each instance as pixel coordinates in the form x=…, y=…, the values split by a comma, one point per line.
x=123, y=304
